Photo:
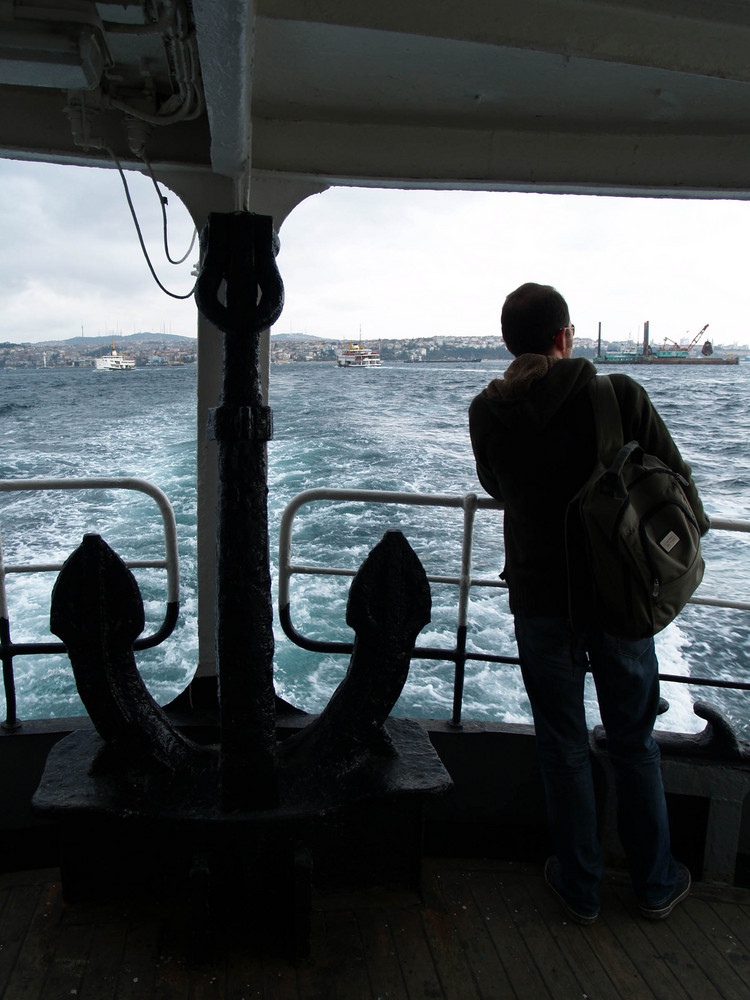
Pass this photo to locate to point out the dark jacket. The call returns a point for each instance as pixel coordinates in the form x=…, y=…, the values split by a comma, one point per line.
x=533, y=437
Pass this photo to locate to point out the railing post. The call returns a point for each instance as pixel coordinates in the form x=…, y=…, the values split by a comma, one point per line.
x=469, y=507
x=9, y=684
x=6, y=655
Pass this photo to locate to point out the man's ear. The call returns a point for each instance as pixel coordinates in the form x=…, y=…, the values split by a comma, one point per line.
x=560, y=341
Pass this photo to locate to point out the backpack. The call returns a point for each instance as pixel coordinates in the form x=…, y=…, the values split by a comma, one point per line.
x=632, y=531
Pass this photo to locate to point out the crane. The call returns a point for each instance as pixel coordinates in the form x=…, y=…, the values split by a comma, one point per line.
x=690, y=346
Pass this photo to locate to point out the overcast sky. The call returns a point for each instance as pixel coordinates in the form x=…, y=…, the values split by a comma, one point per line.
x=395, y=263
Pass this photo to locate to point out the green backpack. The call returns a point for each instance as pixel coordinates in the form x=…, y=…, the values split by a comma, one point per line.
x=632, y=531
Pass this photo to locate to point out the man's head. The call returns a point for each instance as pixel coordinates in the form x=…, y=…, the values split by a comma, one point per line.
x=535, y=320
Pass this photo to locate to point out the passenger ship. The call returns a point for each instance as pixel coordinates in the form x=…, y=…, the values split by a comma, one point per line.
x=254, y=106
x=357, y=356
x=114, y=361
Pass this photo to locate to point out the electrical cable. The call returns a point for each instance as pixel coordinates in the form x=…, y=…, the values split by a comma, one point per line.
x=163, y=203
x=154, y=275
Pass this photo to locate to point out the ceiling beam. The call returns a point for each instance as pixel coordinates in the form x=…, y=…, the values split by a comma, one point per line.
x=432, y=157
x=687, y=36
x=226, y=35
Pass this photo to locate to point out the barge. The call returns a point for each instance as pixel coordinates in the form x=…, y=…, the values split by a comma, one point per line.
x=665, y=355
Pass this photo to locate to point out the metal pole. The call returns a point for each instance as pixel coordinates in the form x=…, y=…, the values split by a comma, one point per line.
x=464, y=587
x=9, y=683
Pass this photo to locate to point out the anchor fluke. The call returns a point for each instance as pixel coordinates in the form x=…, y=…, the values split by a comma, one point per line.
x=97, y=611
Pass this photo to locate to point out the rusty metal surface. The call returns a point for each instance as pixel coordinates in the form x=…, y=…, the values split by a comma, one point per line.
x=97, y=611
x=240, y=291
x=389, y=604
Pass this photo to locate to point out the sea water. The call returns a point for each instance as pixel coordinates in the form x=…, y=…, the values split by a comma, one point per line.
x=402, y=428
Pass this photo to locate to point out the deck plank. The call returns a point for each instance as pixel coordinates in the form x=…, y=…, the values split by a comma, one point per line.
x=528, y=912
x=736, y=918
x=384, y=968
x=586, y=948
x=495, y=893
x=69, y=962
x=312, y=973
x=345, y=956
x=36, y=952
x=479, y=945
x=19, y=904
x=172, y=973
x=572, y=940
x=682, y=955
x=99, y=981
x=140, y=957
x=722, y=958
x=451, y=964
x=208, y=983
x=420, y=976
x=279, y=978
x=605, y=940
x=480, y=931
x=657, y=944
x=171, y=980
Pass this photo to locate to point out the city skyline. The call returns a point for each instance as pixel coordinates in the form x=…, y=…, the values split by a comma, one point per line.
x=156, y=348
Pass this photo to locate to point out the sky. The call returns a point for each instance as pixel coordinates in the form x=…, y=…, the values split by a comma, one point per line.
x=388, y=263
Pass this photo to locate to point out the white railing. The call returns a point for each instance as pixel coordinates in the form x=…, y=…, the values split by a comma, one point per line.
x=170, y=563
x=470, y=503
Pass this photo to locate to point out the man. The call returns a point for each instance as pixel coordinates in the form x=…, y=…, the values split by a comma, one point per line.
x=534, y=442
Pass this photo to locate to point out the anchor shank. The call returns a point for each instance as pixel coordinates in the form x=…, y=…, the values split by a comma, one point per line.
x=238, y=251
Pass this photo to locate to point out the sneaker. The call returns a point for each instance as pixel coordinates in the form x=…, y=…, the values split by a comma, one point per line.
x=551, y=875
x=660, y=911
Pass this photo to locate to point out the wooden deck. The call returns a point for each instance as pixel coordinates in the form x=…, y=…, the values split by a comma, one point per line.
x=480, y=930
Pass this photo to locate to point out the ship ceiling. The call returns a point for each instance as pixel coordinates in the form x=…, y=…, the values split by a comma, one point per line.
x=650, y=97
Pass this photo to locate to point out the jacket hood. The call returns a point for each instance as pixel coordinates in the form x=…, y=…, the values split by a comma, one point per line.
x=535, y=386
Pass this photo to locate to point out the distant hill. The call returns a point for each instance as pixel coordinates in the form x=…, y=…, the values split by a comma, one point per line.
x=83, y=343
x=299, y=336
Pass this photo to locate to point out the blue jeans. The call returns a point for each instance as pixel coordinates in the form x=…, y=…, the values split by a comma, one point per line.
x=554, y=662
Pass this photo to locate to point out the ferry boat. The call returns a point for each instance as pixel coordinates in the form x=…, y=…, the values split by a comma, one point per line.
x=114, y=362
x=357, y=356
x=259, y=105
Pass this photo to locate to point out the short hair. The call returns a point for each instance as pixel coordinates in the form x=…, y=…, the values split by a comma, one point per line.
x=532, y=316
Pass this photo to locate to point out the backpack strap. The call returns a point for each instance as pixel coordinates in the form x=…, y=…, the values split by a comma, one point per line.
x=607, y=418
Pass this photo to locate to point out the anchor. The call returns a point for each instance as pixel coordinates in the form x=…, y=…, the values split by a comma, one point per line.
x=248, y=810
